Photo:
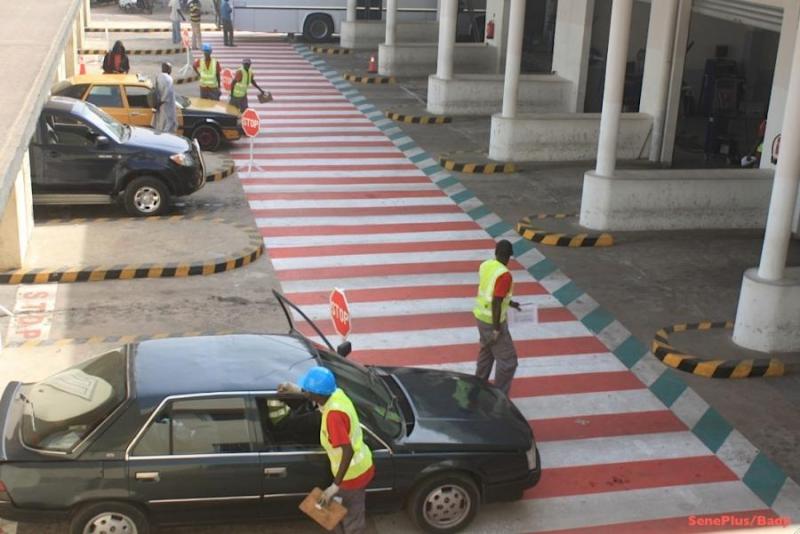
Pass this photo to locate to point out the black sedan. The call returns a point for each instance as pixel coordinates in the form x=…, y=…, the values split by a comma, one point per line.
x=178, y=431
x=81, y=155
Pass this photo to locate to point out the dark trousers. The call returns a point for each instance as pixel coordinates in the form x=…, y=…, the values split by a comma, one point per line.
x=227, y=32
x=499, y=353
x=354, y=522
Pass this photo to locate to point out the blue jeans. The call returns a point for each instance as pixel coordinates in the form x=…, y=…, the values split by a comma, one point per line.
x=176, y=31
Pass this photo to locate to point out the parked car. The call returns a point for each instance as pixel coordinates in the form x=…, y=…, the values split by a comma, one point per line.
x=130, y=99
x=181, y=431
x=81, y=155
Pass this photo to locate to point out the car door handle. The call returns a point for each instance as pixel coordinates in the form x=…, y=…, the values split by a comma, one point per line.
x=54, y=154
x=275, y=472
x=148, y=476
x=136, y=113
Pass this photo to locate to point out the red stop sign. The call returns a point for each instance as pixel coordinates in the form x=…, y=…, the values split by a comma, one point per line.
x=251, y=124
x=227, y=79
x=340, y=313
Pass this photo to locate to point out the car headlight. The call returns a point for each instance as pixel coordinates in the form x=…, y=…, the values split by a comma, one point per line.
x=531, y=457
x=184, y=160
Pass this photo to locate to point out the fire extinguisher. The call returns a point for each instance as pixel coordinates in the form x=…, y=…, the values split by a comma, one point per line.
x=490, y=29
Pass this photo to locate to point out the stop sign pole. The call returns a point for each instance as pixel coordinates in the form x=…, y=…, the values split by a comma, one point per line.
x=340, y=313
x=251, y=124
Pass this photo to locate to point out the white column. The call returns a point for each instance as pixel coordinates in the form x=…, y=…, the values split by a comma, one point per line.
x=785, y=185
x=657, y=69
x=684, y=19
x=391, y=22
x=571, y=43
x=513, y=58
x=614, y=85
x=351, y=11
x=447, y=39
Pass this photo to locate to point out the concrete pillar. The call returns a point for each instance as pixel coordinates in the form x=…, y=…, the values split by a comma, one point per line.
x=87, y=13
x=16, y=220
x=657, y=69
x=513, y=58
x=71, y=52
x=351, y=11
x=572, y=41
x=616, y=61
x=80, y=24
x=683, y=21
x=447, y=39
x=391, y=22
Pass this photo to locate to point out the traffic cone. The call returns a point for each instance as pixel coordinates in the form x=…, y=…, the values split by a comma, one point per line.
x=373, y=65
x=81, y=65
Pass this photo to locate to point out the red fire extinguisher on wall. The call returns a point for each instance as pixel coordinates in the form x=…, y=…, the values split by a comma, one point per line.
x=490, y=29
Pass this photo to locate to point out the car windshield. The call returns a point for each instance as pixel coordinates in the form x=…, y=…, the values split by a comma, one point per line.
x=62, y=410
x=109, y=123
x=370, y=395
x=183, y=101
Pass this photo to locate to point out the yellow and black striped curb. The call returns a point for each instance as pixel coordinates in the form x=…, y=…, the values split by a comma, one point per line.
x=526, y=230
x=186, y=79
x=228, y=168
x=330, y=51
x=682, y=361
x=144, y=29
x=542, y=216
x=377, y=80
x=419, y=119
x=139, y=52
x=478, y=168
x=64, y=275
x=117, y=340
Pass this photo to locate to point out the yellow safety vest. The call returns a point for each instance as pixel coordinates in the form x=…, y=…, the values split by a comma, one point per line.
x=277, y=410
x=362, y=456
x=208, y=74
x=489, y=272
x=240, y=89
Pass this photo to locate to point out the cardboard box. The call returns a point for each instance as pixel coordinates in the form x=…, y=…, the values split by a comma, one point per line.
x=327, y=516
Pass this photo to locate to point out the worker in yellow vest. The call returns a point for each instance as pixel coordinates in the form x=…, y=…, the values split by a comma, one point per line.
x=341, y=437
x=209, y=70
x=241, y=83
x=491, y=310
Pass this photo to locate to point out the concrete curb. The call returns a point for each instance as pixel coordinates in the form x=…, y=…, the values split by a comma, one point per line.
x=478, y=168
x=330, y=51
x=186, y=79
x=229, y=167
x=760, y=474
x=144, y=29
x=707, y=368
x=525, y=228
x=542, y=216
x=377, y=80
x=419, y=119
x=246, y=256
x=139, y=52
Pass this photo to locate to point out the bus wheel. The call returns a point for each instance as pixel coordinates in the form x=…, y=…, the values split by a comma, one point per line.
x=318, y=28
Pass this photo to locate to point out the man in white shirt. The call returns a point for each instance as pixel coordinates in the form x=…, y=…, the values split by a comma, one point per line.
x=175, y=16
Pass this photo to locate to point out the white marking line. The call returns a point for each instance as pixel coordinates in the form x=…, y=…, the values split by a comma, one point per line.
x=321, y=139
x=300, y=162
x=364, y=239
x=344, y=188
x=582, y=404
x=355, y=203
x=392, y=258
x=355, y=150
x=373, y=282
x=322, y=121
x=306, y=129
x=33, y=313
x=330, y=105
x=556, y=365
x=365, y=173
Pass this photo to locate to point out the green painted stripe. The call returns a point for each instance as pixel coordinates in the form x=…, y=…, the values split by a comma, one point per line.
x=712, y=429
x=764, y=478
x=479, y=212
x=431, y=169
x=521, y=246
x=597, y=320
x=418, y=157
x=499, y=229
x=447, y=182
x=568, y=293
x=630, y=351
x=668, y=387
x=542, y=269
x=460, y=197
x=407, y=146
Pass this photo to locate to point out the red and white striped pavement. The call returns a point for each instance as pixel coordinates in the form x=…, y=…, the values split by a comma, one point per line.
x=340, y=206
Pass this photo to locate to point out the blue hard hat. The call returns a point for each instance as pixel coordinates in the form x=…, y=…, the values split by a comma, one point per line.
x=319, y=381
x=207, y=48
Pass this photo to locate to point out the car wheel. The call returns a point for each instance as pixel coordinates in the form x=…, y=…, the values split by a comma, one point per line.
x=444, y=503
x=318, y=28
x=208, y=137
x=146, y=196
x=107, y=517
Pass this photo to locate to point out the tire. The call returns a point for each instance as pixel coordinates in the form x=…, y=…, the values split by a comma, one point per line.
x=209, y=137
x=444, y=503
x=146, y=197
x=318, y=28
x=126, y=519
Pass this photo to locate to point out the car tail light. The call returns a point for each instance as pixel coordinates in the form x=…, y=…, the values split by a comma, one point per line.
x=3, y=488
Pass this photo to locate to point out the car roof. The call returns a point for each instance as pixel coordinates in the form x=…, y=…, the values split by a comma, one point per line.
x=109, y=79
x=63, y=104
x=210, y=364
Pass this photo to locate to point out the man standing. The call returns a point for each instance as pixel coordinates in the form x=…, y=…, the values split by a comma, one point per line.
x=165, y=119
x=341, y=437
x=195, y=17
x=491, y=309
x=226, y=14
x=176, y=16
x=209, y=70
x=241, y=82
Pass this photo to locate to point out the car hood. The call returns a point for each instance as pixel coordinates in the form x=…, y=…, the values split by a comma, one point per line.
x=458, y=409
x=205, y=105
x=150, y=139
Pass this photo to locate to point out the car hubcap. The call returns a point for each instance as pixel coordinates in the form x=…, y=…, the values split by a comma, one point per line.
x=319, y=29
x=110, y=523
x=446, y=506
x=147, y=199
x=206, y=139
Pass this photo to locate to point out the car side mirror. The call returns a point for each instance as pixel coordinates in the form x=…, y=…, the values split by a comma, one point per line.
x=344, y=349
x=101, y=141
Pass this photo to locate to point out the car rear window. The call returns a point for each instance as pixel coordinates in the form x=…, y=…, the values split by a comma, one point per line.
x=62, y=410
x=72, y=91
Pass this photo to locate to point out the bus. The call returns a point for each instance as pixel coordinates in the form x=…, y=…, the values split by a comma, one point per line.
x=319, y=20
